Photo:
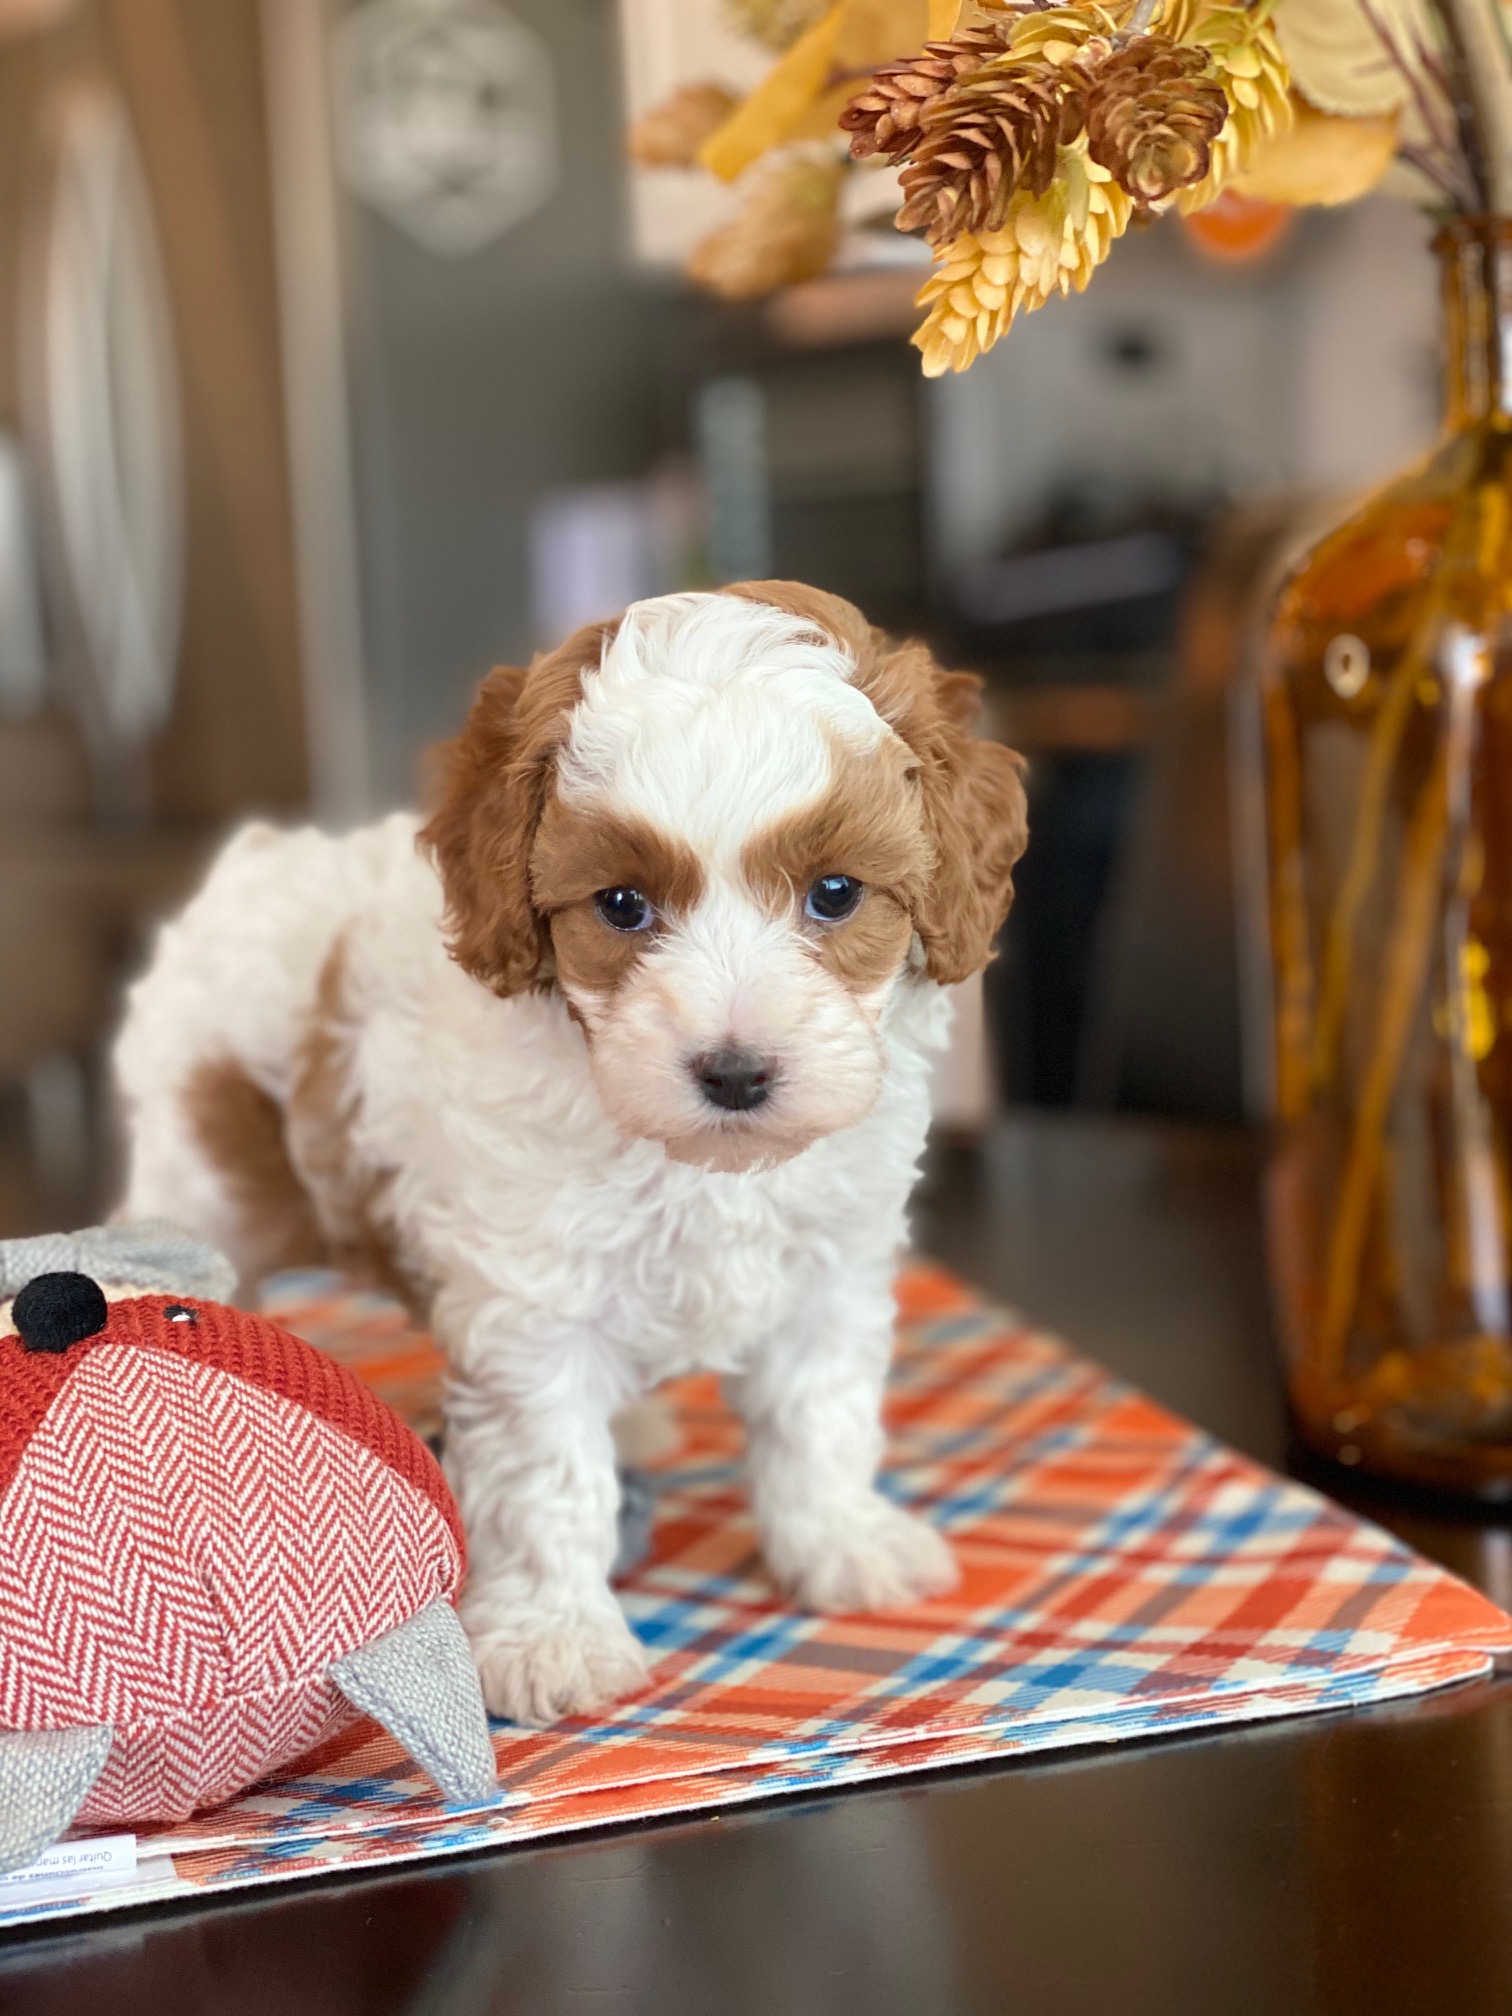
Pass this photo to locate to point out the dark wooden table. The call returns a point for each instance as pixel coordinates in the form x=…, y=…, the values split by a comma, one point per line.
x=1354, y=1863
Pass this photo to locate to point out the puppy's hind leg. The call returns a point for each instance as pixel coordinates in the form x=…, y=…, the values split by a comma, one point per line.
x=208, y=1153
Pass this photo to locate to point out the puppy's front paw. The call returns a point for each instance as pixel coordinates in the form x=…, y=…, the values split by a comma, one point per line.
x=877, y=1557
x=537, y=1668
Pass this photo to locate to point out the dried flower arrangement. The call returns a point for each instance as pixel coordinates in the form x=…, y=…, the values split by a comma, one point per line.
x=1030, y=135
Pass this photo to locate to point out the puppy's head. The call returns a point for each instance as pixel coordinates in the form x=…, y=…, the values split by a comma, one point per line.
x=725, y=826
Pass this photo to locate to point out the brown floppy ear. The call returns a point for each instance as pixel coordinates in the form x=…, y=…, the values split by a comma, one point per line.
x=976, y=813
x=975, y=809
x=496, y=778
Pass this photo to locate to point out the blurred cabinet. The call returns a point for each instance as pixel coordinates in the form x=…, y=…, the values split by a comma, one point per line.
x=812, y=460
x=173, y=92
x=148, y=540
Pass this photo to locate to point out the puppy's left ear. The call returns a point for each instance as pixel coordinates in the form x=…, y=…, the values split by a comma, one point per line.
x=975, y=810
x=496, y=778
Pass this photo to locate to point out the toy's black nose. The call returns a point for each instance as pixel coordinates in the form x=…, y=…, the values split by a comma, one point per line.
x=57, y=1310
x=734, y=1078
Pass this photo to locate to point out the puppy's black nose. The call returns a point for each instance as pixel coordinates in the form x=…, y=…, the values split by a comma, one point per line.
x=55, y=1311
x=735, y=1079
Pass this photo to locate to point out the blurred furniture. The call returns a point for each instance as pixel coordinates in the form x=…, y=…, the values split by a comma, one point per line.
x=1180, y=944
x=1076, y=625
x=964, y=1095
x=173, y=98
x=77, y=900
x=809, y=426
x=1331, y=1868
x=150, y=588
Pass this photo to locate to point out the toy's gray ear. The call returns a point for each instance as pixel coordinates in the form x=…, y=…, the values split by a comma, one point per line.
x=45, y=1776
x=420, y=1682
x=150, y=1253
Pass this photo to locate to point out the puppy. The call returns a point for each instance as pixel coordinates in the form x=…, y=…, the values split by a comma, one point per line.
x=622, y=1070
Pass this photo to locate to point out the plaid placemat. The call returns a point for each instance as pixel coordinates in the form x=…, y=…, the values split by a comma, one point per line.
x=1124, y=1576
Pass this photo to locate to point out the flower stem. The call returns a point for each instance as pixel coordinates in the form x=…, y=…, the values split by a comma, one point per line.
x=1434, y=169
x=1441, y=122
x=1485, y=65
x=1408, y=959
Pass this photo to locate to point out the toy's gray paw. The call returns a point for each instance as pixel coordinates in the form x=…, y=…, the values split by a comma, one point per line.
x=45, y=1777
x=420, y=1682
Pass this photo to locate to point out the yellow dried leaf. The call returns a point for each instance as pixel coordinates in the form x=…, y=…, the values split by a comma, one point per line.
x=797, y=99
x=1321, y=160
x=774, y=108
x=879, y=31
x=1337, y=59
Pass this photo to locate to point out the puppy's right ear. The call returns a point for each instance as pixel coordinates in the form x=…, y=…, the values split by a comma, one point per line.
x=496, y=777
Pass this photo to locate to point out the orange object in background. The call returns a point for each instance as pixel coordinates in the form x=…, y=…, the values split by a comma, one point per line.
x=1236, y=229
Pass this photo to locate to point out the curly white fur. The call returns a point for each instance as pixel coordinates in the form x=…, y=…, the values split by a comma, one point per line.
x=576, y=1261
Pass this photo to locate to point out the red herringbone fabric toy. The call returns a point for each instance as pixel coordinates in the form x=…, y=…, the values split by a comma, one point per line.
x=216, y=1546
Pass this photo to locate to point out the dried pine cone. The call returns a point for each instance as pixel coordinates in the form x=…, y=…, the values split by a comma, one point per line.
x=1251, y=66
x=890, y=115
x=1048, y=245
x=786, y=230
x=988, y=142
x=671, y=133
x=1153, y=112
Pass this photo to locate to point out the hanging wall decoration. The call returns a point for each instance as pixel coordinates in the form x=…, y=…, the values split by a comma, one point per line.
x=445, y=119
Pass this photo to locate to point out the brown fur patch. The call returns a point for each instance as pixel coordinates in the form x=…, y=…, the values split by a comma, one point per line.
x=590, y=956
x=348, y=1196
x=975, y=813
x=866, y=949
x=579, y=851
x=240, y=1131
x=496, y=780
x=868, y=824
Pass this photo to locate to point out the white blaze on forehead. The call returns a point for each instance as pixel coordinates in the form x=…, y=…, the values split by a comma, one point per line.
x=712, y=717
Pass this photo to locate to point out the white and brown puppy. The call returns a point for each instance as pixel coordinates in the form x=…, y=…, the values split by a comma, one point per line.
x=625, y=1065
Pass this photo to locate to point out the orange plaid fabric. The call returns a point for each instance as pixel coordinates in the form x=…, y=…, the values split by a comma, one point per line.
x=1123, y=1576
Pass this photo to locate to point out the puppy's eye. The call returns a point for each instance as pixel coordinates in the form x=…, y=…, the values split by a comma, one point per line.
x=624, y=909
x=834, y=897
x=177, y=1313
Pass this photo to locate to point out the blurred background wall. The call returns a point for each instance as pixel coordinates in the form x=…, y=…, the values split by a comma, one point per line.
x=341, y=356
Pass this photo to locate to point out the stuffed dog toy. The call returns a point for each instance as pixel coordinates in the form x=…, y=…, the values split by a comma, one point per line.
x=216, y=1546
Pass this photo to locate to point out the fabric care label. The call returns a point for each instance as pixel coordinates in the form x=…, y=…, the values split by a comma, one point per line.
x=73, y=1869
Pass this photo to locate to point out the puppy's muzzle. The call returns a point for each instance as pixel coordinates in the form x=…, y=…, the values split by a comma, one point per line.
x=736, y=1079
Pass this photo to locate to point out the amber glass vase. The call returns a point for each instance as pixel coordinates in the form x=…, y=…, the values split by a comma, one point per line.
x=1387, y=690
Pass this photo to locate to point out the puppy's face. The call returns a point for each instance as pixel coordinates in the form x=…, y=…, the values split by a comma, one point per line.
x=724, y=829
x=726, y=878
